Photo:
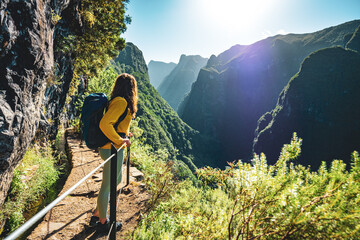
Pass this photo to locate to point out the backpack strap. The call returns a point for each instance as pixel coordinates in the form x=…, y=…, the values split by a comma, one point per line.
x=122, y=117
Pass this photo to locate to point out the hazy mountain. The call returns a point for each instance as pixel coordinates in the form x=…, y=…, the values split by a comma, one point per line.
x=240, y=85
x=158, y=71
x=178, y=83
x=321, y=104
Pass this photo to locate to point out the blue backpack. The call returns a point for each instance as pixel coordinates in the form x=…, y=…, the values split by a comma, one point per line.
x=92, y=112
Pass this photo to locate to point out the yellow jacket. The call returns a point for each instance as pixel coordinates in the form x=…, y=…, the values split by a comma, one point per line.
x=116, y=108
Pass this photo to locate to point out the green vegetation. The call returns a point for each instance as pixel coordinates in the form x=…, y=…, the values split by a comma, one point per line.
x=255, y=201
x=100, y=41
x=104, y=82
x=155, y=163
x=33, y=178
x=97, y=40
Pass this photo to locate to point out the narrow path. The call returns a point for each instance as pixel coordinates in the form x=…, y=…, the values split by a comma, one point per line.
x=70, y=218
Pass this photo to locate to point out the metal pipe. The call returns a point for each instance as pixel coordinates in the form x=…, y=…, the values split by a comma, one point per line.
x=128, y=167
x=113, y=185
x=42, y=213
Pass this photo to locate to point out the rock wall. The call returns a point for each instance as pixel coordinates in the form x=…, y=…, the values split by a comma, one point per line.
x=26, y=63
x=56, y=94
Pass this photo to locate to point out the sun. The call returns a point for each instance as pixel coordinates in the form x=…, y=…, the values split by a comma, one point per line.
x=234, y=13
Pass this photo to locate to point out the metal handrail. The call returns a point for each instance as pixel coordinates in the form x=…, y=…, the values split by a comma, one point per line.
x=42, y=213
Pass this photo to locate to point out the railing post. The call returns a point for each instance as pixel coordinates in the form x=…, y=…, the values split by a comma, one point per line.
x=113, y=185
x=128, y=166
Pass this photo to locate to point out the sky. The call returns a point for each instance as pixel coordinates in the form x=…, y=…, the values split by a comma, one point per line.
x=165, y=29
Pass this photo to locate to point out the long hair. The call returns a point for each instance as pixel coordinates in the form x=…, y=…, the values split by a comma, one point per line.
x=125, y=86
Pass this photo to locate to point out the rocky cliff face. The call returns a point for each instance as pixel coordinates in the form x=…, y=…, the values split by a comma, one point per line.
x=158, y=71
x=178, y=83
x=239, y=86
x=56, y=93
x=26, y=62
x=28, y=95
x=321, y=104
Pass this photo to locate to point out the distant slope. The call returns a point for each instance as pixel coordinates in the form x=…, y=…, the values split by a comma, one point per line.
x=239, y=86
x=158, y=71
x=178, y=83
x=162, y=126
x=321, y=104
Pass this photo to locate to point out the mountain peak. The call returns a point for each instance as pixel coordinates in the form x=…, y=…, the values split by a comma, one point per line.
x=131, y=55
x=178, y=83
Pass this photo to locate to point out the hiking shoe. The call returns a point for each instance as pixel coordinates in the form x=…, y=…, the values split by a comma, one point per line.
x=106, y=226
x=93, y=221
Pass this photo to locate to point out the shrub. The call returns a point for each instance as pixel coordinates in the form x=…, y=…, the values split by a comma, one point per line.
x=35, y=176
x=258, y=201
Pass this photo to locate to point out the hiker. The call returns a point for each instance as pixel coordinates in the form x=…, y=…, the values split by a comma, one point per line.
x=124, y=95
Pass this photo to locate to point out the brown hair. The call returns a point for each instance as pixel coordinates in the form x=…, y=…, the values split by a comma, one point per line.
x=125, y=86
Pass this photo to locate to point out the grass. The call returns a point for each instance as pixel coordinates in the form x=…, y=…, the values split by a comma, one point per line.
x=35, y=179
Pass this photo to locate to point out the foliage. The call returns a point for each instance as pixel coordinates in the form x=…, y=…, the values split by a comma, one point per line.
x=258, y=201
x=54, y=17
x=35, y=176
x=100, y=40
x=155, y=164
x=95, y=41
x=103, y=83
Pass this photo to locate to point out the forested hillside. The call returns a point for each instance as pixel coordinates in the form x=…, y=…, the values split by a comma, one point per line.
x=240, y=85
x=319, y=103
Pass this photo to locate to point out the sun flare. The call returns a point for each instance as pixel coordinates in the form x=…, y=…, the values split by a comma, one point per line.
x=235, y=13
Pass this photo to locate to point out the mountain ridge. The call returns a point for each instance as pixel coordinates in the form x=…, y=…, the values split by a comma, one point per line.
x=178, y=83
x=318, y=104
x=252, y=77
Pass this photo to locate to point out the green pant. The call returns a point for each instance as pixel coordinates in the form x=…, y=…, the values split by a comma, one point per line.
x=103, y=198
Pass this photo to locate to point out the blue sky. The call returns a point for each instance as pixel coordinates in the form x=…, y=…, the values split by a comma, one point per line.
x=165, y=29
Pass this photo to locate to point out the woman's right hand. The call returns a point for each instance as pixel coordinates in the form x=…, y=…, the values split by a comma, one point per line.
x=127, y=141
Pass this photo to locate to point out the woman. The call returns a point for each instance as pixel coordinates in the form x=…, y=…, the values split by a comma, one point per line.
x=124, y=95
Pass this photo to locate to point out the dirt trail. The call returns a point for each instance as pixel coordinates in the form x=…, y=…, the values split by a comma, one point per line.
x=70, y=218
